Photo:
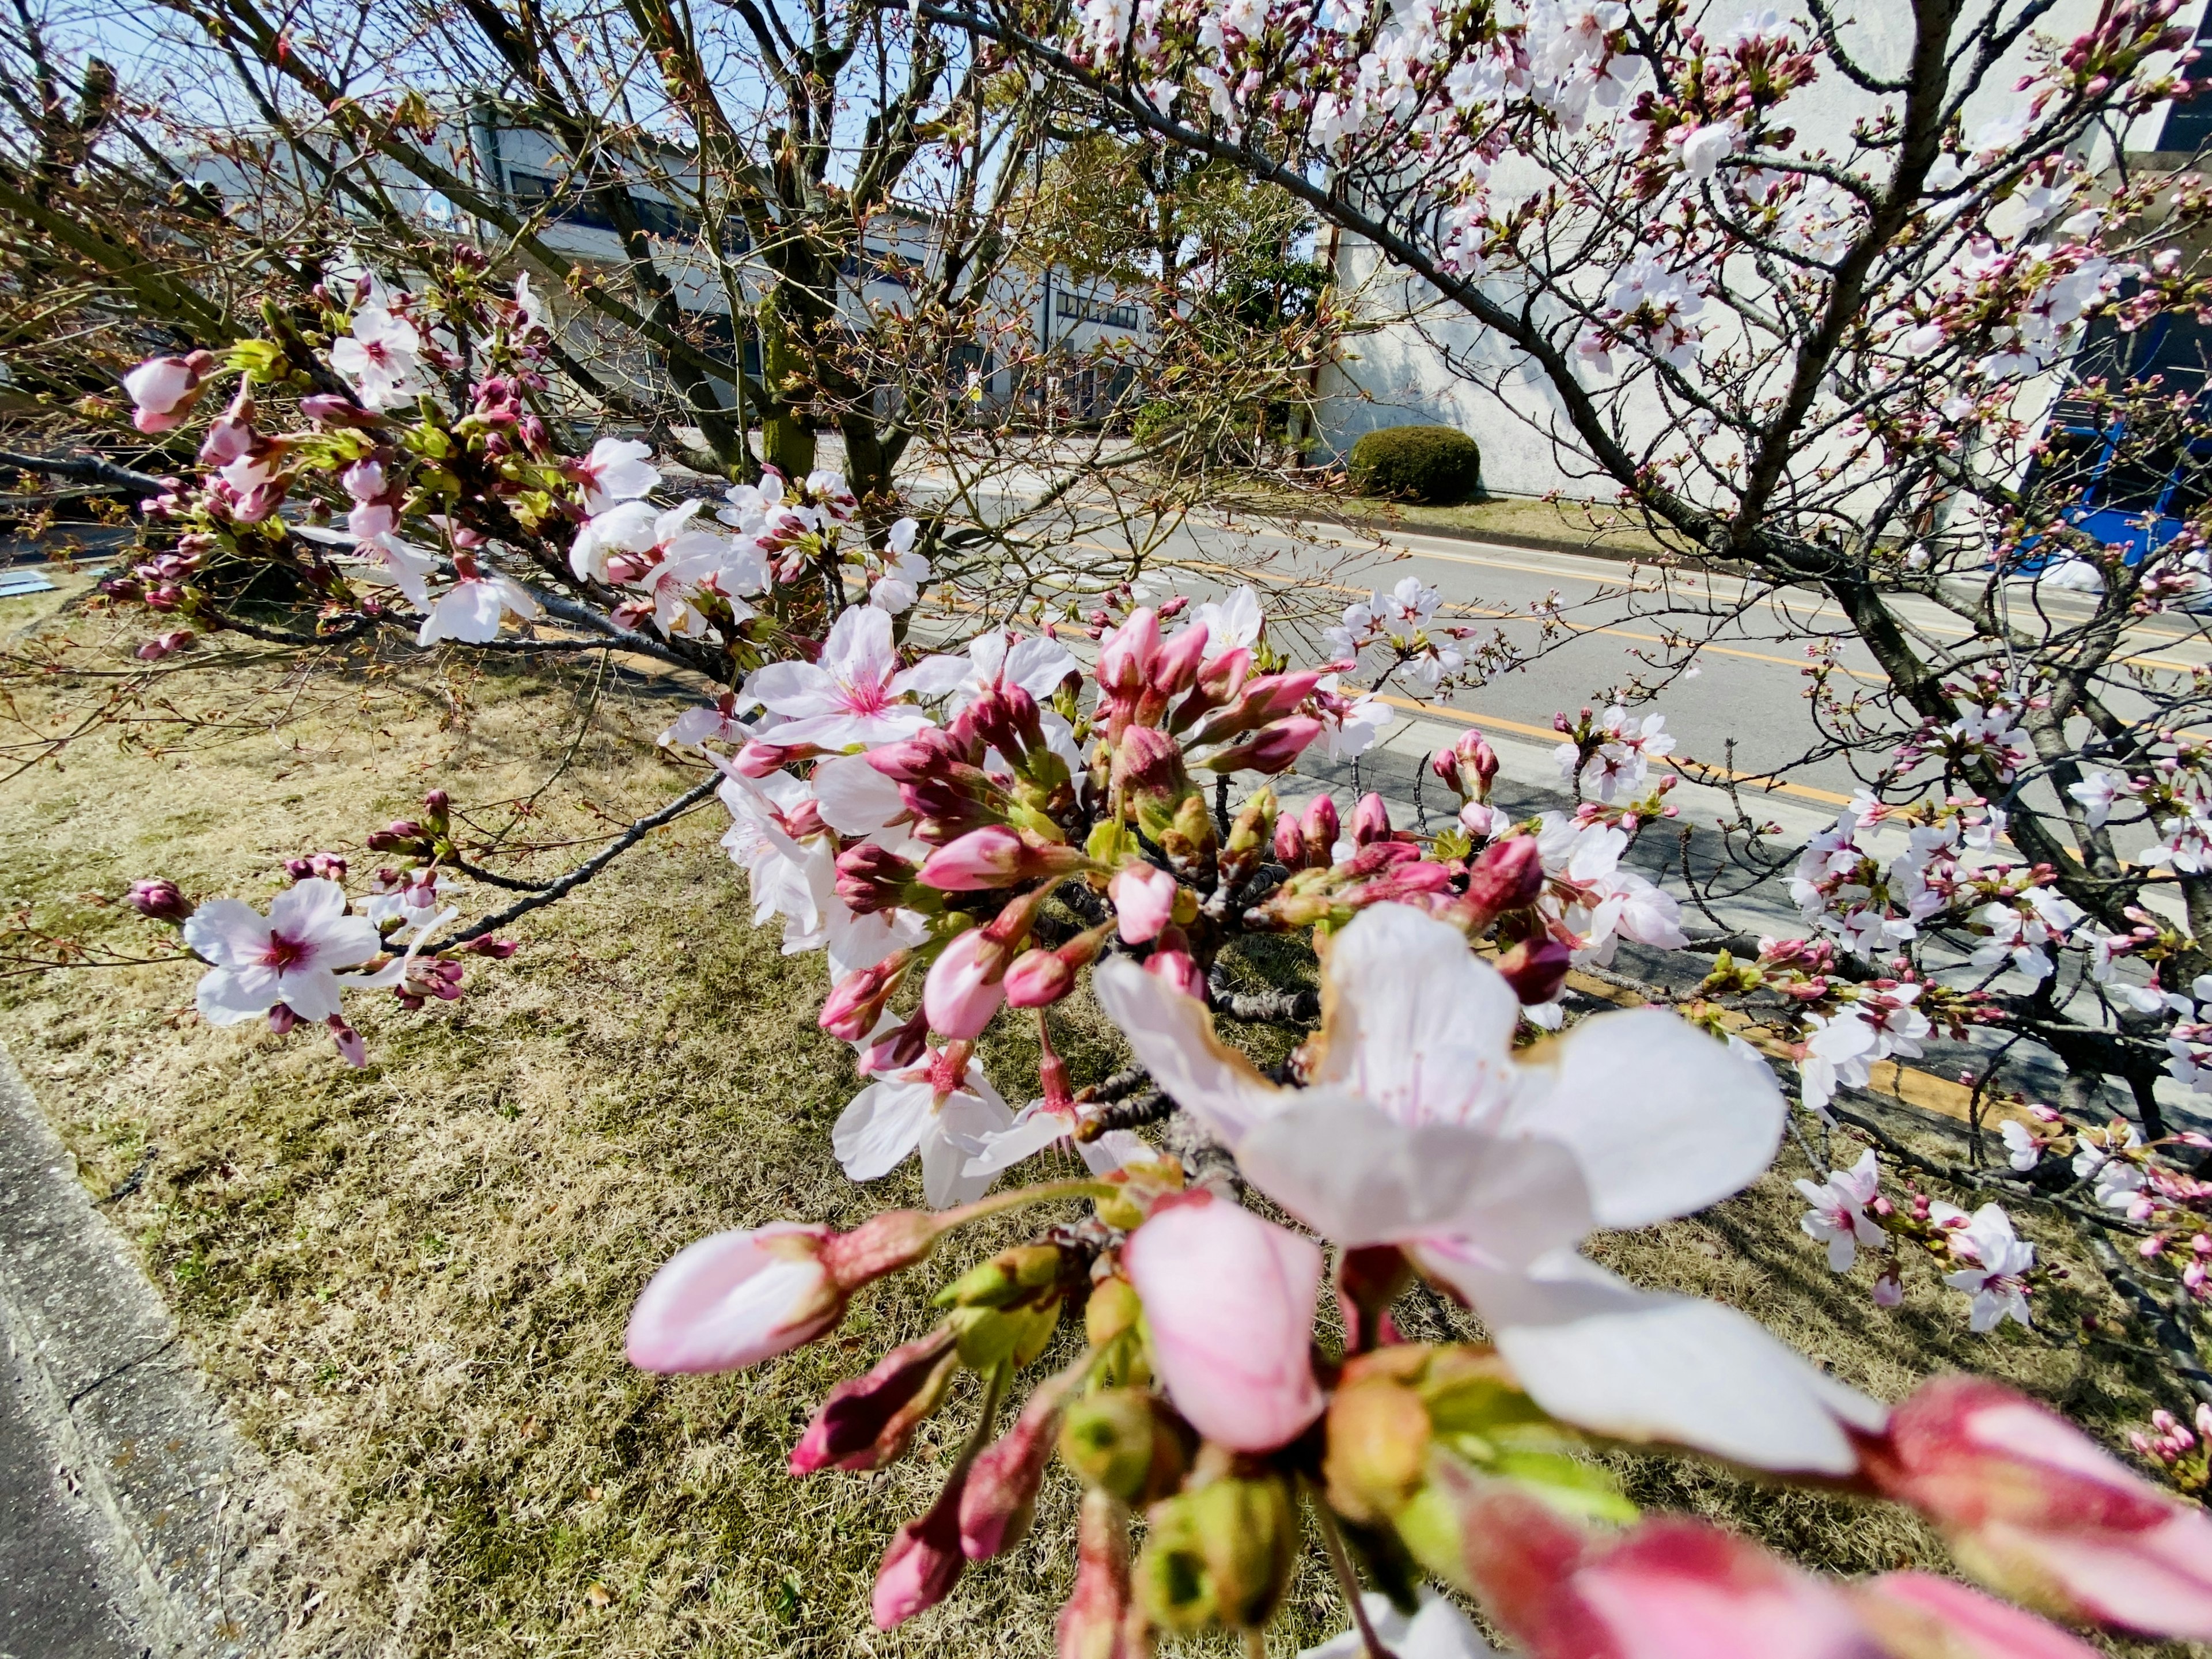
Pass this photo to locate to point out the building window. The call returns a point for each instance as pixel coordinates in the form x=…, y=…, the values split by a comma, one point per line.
x=2189, y=123
x=1085, y=309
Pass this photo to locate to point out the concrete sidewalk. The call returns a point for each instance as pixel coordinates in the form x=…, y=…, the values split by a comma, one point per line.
x=132, y=1520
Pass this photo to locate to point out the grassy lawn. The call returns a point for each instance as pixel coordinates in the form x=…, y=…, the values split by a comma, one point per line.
x=410, y=1281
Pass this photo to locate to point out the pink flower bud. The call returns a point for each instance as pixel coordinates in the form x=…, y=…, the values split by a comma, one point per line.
x=164, y=644
x=871, y=878
x=1918, y=1615
x=1536, y=969
x=1481, y=822
x=867, y=1420
x=328, y=408
x=1175, y=964
x=997, y=856
x=1096, y=1621
x=1507, y=876
x=1370, y=820
x=160, y=900
x=733, y=1299
x=895, y=1050
x=1143, y=896
x=2035, y=1509
x=164, y=389
x=1230, y=1301
x=1174, y=668
x=759, y=757
x=1125, y=660
x=1289, y=842
x=1148, y=765
x=966, y=984
x=230, y=434
x=1039, y=979
x=857, y=1001
x=1000, y=1500
x=1319, y=826
x=923, y=1562
x=1271, y=749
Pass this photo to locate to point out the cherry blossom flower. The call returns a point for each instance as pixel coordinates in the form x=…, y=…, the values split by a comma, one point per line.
x=2022, y=1150
x=929, y=1109
x=1998, y=1263
x=381, y=355
x=471, y=608
x=1352, y=721
x=291, y=957
x=1040, y=1125
x=528, y=306
x=1239, y=1366
x=616, y=470
x=854, y=694
x=1421, y=1129
x=905, y=571
x=1437, y=1631
x=1234, y=624
x=410, y=567
x=1838, y=1216
x=1844, y=1046
x=2099, y=1159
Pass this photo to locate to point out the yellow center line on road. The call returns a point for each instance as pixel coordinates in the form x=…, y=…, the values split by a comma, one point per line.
x=1765, y=783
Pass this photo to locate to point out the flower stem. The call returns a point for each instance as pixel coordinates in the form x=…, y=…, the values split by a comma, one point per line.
x=1339, y=1561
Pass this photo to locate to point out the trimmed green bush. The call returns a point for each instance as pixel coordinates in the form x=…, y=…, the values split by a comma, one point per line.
x=1433, y=464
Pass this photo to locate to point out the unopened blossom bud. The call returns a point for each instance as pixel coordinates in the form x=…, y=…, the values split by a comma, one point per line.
x=1289, y=842
x=998, y=856
x=871, y=878
x=1175, y=667
x=2036, y=1509
x=162, y=390
x=923, y=1562
x=160, y=900
x=1098, y=1620
x=1536, y=969
x=1118, y=1441
x=1230, y=1301
x=1468, y=767
x=1148, y=770
x=1143, y=896
x=1270, y=697
x=1039, y=979
x=1171, y=960
x=486, y=946
x=1125, y=657
x=1271, y=749
x=1507, y=876
x=898, y=1049
x=398, y=835
x=1921, y=1615
x=966, y=984
x=759, y=757
x=329, y=409
x=231, y=433
x=856, y=1002
x=1379, y=1434
x=1000, y=1500
x=1322, y=829
x=1370, y=820
x=1005, y=718
x=1219, y=1554
x=733, y=1299
x=867, y=1420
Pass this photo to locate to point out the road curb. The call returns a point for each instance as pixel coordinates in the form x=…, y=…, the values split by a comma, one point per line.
x=185, y=1520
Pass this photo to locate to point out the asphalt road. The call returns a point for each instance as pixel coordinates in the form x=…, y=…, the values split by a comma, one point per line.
x=1615, y=623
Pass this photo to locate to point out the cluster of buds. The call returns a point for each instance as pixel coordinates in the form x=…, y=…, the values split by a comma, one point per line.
x=2185, y=1457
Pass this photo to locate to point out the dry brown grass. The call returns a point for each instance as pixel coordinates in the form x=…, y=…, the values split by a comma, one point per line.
x=411, y=1281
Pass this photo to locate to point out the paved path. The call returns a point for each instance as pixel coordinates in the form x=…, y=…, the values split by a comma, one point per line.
x=52, y=1605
